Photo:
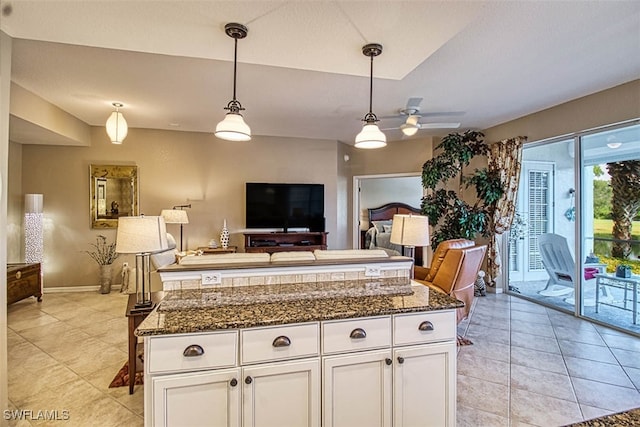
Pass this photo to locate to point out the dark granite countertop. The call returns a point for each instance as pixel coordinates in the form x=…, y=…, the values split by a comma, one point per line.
x=203, y=310
x=622, y=419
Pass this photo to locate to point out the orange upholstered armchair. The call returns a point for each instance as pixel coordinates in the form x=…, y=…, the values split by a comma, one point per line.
x=453, y=271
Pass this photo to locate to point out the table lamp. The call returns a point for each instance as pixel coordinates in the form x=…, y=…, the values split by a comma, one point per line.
x=142, y=236
x=176, y=216
x=410, y=231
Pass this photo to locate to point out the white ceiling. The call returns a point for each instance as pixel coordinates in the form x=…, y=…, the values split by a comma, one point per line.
x=301, y=72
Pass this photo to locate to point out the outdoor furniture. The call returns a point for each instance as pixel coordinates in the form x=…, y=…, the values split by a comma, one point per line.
x=559, y=263
x=628, y=284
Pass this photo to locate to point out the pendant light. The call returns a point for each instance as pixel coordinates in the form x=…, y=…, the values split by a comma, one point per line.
x=117, y=128
x=371, y=136
x=233, y=127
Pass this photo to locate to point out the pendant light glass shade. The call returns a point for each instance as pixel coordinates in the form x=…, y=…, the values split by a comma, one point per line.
x=233, y=128
x=370, y=137
x=117, y=127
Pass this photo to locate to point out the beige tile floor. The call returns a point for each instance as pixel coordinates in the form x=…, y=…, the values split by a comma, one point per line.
x=529, y=366
x=534, y=366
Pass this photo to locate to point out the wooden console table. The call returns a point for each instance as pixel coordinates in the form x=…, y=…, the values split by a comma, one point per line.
x=23, y=280
x=135, y=318
x=280, y=242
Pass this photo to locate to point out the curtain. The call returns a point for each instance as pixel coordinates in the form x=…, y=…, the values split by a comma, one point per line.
x=505, y=158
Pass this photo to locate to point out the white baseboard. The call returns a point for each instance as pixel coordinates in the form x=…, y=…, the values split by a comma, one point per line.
x=88, y=288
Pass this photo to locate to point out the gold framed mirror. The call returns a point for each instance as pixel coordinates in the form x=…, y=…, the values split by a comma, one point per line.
x=113, y=193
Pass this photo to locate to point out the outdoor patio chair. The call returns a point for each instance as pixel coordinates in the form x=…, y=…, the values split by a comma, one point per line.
x=560, y=265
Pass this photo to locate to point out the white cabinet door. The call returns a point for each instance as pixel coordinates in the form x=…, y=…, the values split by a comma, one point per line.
x=357, y=390
x=424, y=385
x=282, y=394
x=197, y=399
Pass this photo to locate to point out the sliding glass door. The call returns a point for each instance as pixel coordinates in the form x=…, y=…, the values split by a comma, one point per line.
x=575, y=244
x=610, y=228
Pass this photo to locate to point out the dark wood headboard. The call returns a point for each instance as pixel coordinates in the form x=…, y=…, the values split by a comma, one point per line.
x=389, y=210
x=386, y=212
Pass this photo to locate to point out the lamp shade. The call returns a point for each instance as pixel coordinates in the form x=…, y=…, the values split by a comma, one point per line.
x=410, y=230
x=233, y=128
x=117, y=127
x=33, y=203
x=141, y=234
x=370, y=137
x=174, y=216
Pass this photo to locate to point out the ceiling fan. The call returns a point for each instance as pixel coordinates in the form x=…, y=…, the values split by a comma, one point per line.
x=412, y=115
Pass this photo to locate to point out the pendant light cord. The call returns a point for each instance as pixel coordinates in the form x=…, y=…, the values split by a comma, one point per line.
x=235, y=66
x=371, y=88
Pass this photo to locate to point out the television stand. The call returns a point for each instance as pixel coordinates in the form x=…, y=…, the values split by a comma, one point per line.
x=280, y=242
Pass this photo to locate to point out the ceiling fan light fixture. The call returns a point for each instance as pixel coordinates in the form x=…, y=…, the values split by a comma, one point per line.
x=371, y=136
x=410, y=129
x=233, y=127
x=116, y=125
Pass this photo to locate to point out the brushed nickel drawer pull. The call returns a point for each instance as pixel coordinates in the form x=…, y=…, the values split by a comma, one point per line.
x=193, y=350
x=426, y=326
x=282, y=341
x=358, y=334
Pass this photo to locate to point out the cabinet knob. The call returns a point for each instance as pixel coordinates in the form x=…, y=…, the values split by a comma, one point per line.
x=358, y=334
x=281, y=341
x=233, y=382
x=18, y=275
x=248, y=380
x=400, y=360
x=388, y=361
x=426, y=326
x=193, y=350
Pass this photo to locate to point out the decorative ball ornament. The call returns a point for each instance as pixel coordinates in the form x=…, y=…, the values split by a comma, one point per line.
x=224, y=236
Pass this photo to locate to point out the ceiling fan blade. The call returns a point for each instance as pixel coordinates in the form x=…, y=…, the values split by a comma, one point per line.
x=439, y=125
x=413, y=103
x=396, y=128
x=442, y=114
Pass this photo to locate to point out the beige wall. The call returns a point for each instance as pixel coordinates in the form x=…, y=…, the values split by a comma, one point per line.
x=174, y=168
x=15, y=204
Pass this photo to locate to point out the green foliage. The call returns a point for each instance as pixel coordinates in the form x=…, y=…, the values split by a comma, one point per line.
x=451, y=216
x=105, y=253
x=602, y=194
x=597, y=170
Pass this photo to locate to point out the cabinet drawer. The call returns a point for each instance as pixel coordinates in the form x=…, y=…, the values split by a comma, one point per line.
x=192, y=352
x=281, y=342
x=354, y=335
x=424, y=327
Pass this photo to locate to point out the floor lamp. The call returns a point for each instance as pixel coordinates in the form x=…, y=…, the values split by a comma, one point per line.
x=142, y=236
x=410, y=231
x=176, y=216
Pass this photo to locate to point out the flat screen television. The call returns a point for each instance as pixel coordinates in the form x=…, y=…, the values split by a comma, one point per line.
x=285, y=206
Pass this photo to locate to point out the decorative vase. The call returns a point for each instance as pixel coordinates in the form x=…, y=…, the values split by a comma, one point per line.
x=224, y=236
x=105, y=278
